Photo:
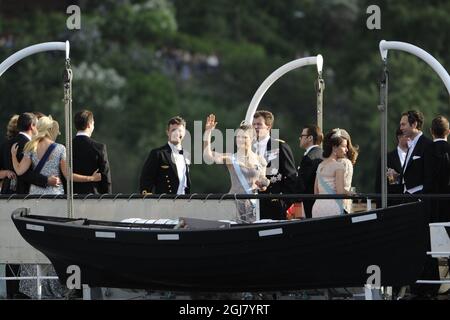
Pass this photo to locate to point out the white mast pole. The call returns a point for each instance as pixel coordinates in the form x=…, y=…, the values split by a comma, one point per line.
x=54, y=46
x=277, y=74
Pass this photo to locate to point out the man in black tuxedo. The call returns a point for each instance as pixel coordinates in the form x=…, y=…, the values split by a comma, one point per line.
x=89, y=156
x=166, y=169
x=280, y=170
x=413, y=177
x=437, y=176
x=310, y=140
x=413, y=173
x=437, y=166
x=395, y=162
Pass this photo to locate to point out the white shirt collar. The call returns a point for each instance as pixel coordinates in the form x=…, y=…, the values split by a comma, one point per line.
x=309, y=149
x=26, y=135
x=440, y=139
x=400, y=150
x=412, y=143
x=174, y=148
x=81, y=133
x=264, y=141
x=180, y=163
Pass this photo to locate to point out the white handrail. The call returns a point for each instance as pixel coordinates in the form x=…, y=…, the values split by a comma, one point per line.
x=418, y=52
x=28, y=51
x=257, y=97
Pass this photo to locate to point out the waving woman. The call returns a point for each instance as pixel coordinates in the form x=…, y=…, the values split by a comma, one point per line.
x=247, y=169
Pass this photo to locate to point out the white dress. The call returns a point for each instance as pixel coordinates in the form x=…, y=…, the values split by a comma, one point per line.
x=326, y=173
x=245, y=208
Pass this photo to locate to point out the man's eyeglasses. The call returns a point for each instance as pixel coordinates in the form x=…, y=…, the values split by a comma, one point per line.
x=304, y=135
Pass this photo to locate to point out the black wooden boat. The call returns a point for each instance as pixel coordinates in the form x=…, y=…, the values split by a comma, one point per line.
x=316, y=253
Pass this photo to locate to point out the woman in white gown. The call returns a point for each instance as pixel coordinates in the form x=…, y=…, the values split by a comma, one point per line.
x=334, y=174
x=247, y=169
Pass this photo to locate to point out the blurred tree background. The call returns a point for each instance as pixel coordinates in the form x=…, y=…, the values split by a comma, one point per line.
x=138, y=63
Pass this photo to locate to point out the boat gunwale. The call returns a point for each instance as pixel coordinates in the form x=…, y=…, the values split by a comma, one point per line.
x=113, y=226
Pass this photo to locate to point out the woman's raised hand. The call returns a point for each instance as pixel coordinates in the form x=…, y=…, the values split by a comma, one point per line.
x=210, y=122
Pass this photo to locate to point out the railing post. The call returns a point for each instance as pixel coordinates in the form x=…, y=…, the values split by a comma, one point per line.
x=38, y=280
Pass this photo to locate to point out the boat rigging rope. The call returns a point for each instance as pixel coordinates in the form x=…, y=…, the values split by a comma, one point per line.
x=320, y=87
x=67, y=81
x=383, y=108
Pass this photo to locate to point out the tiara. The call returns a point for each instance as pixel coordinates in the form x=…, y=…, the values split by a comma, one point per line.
x=337, y=133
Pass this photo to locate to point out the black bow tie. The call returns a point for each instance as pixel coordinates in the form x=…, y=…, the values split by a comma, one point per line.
x=180, y=151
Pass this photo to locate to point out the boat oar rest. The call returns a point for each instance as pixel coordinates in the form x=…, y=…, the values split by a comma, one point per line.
x=180, y=223
x=193, y=223
x=79, y=222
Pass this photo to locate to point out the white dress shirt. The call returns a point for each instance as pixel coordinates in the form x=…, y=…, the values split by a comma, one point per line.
x=401, y=156
x=261, y=146
x=412, y=146
x=180, y=163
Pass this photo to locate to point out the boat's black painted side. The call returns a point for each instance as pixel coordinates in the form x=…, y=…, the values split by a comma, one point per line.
x=316, y=253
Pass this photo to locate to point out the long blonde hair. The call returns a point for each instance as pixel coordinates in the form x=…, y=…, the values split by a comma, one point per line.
x=47, y=128
x=11, y=128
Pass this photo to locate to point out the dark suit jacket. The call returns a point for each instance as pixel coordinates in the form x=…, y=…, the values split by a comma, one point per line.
x=414, y=173
x=437, y=178
x=159, y=174
x=88, y=156
x=24, y=181
x=393, y=161
x=306, y=176
x=282, y=174
x=280, y=167
x=2, y=155
x=2, y=160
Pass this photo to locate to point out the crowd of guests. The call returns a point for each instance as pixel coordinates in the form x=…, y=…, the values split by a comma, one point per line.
x=262, y=164
x=32, y=162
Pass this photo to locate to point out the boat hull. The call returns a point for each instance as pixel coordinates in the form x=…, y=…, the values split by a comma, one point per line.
x=341, y=251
